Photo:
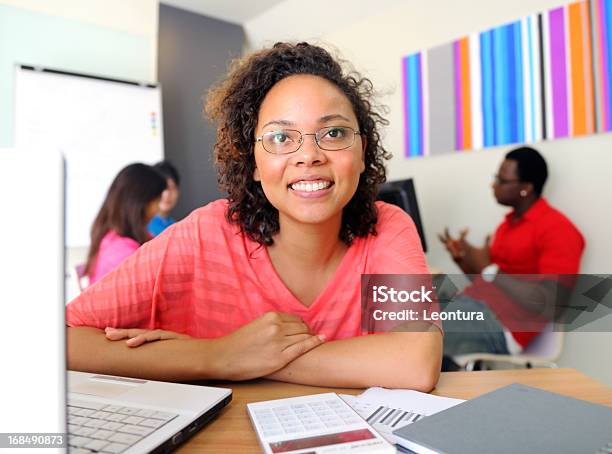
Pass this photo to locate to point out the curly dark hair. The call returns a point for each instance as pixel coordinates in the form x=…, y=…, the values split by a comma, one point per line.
x=234, y=104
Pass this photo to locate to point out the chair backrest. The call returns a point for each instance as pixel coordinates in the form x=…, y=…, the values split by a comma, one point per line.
x=547, y=345
x=80, y=274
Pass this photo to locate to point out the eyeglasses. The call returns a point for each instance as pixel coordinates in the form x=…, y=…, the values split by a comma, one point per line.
x=330, y=138
x=499, y=180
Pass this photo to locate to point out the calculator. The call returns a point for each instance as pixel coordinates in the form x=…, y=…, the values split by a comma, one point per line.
x=320, y=423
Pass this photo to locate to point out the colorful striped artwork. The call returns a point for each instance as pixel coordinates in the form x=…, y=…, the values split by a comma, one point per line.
x=546, y=76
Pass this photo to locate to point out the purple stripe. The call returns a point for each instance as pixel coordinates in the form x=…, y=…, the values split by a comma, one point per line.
x=421, y=150
x=458, y=98
x=406, y=113
x=558, y=71
x=603, y=47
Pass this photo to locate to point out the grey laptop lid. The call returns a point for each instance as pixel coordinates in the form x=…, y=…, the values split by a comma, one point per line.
x=511, y=420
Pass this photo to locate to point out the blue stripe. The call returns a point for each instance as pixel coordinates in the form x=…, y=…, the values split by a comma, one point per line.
x=530, y=45
x=413, y=103
x=419, y=88
x=406, y=107
x=607, y=16
x=511, y=136
x=500, y=85
x=520, y=101
x=486, y=69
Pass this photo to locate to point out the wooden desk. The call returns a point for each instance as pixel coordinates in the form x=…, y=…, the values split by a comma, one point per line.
x=231, y=431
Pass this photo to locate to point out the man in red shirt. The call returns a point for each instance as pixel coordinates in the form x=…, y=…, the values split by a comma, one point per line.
x=535, y=241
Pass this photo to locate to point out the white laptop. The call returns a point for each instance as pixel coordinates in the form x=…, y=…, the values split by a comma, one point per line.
x=105, y=414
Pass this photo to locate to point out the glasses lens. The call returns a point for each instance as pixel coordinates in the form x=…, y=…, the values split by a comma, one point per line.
x=281, y=142
x=335, y=137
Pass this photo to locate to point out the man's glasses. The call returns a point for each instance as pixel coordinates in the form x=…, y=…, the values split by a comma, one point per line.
x=330, y=138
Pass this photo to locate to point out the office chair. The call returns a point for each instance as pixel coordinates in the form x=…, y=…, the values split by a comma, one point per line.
x=543, y=351
x=80, y=275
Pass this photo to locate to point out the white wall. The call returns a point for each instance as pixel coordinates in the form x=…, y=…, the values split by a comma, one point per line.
x=112, y=38
x=454, y=190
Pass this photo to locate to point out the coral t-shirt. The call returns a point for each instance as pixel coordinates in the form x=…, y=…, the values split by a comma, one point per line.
x=204, y=277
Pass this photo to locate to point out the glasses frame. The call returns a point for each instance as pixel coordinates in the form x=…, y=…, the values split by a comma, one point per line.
x=301, y=139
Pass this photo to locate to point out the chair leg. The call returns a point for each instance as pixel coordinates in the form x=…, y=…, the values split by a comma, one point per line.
x=473, y=365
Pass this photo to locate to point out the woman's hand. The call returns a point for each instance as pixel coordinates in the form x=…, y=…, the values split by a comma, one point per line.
x=265, y=345
x=257, y=349
x=136, y=337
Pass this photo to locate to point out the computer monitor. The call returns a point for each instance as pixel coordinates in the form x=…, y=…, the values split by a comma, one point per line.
x=402, y=194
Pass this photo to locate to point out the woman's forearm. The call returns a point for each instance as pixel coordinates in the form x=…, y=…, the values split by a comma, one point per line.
x=393, y=360
x=168, y=360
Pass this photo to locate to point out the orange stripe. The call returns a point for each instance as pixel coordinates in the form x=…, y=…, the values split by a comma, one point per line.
x=577, y=70
x=588, y=68
x=466, y=110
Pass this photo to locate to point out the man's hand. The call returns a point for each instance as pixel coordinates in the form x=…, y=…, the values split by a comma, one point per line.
x=476, y=259
x=455, y=246
x=469, y=258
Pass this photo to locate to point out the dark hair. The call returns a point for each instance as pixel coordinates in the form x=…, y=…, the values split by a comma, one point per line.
x=235, y=104
x=531, y=167
x=123, y=209
x=168, y=170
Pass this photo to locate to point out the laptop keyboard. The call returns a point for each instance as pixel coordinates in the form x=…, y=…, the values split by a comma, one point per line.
x=95, y=427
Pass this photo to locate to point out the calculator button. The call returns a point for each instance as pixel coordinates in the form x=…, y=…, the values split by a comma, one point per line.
x=292, y=424
x=316, y=405
x=326, y=418
x=332, y=402
x=353, y=420
x=266, y=419
x=314, y=426
x=309, y=420
x=272, y=433
x=334, y=423
x=271, y=427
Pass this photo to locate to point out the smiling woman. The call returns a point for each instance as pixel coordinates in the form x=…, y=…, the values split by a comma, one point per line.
x=268, y=282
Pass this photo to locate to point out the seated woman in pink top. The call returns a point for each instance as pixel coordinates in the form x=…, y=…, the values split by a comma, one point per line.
x=267, y=282
x=121, y=224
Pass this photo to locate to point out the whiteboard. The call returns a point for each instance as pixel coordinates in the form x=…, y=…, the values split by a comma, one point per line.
x=100, y=126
